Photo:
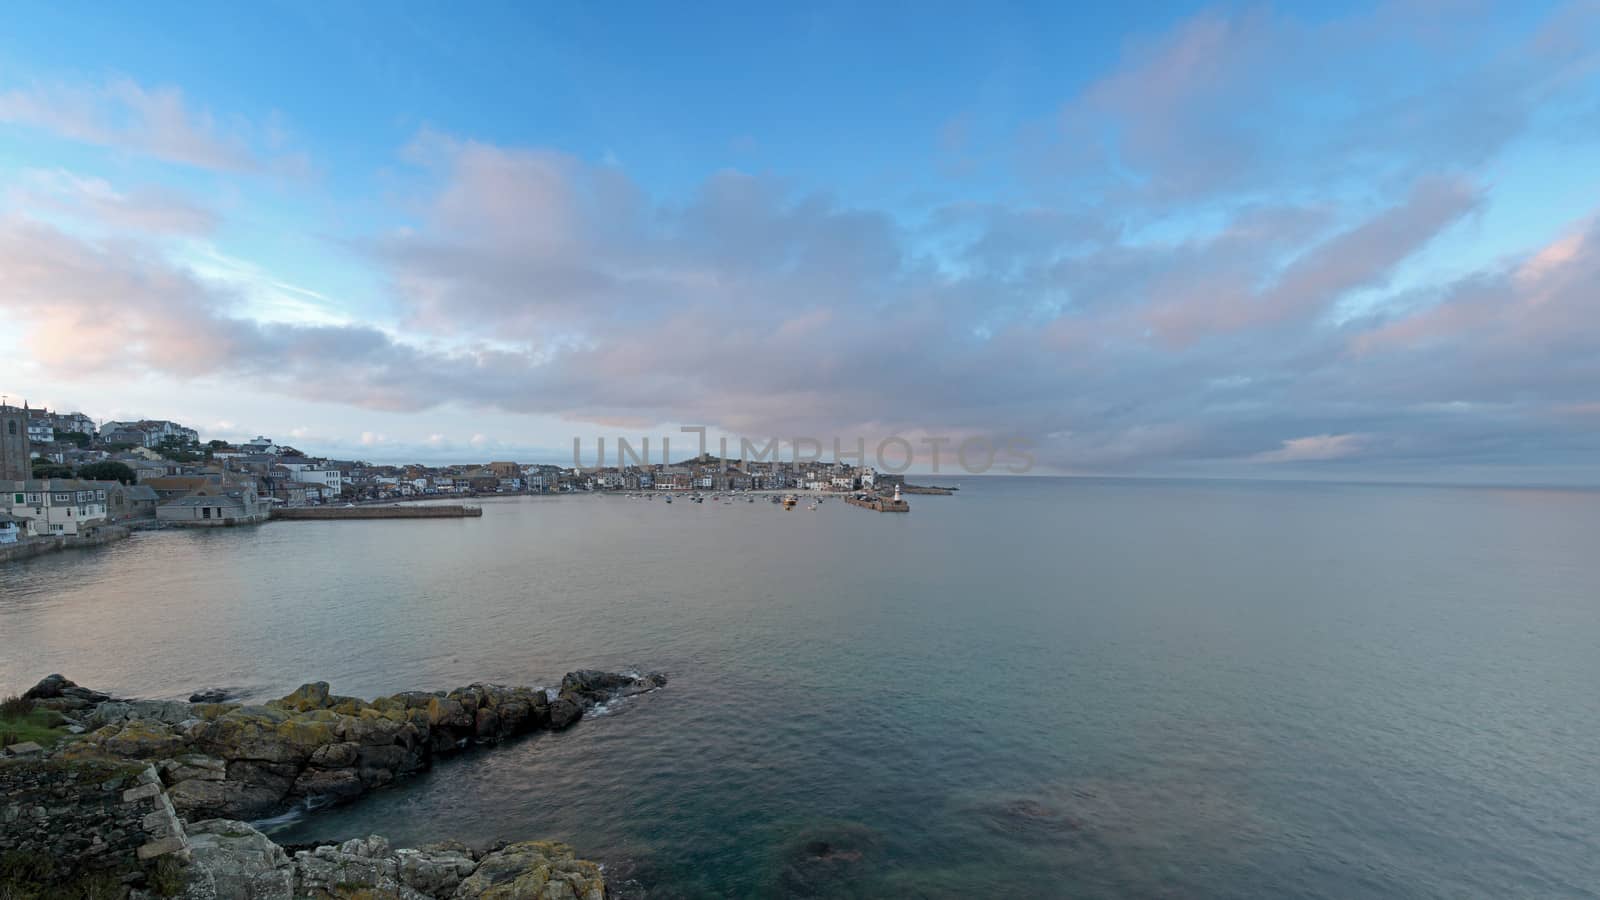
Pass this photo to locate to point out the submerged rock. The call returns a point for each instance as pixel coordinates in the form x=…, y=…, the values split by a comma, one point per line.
x=212, y=695
x=827, y=859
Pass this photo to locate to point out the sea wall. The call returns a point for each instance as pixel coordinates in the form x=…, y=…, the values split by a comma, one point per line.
x=377, y=512
x=65, y=822
x=38, y=546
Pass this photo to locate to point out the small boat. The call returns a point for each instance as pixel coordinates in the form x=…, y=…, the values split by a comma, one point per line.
x=812, y=506
x=789, y=501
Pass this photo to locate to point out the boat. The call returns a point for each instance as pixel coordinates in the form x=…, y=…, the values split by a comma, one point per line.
x=789, y=501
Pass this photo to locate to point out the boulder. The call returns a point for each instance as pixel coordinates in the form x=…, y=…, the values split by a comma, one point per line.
x=448, y=712
x=545, y=870
x=312, y=695
x=193, y=766
x=336, y=756
x=212, y=695
x=487, y=725
x=564, y=712
x=435, y=872
x=265, y=734
x=239, y=862
x=140, y=739
x=60, y=693
x=329, y=785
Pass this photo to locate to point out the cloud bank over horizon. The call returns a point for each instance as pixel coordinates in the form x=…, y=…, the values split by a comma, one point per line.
x=1358, y=246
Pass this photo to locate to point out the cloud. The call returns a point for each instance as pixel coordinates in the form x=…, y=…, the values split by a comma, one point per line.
x=125, y=115
x=1176, y=316
x=1315, y=447
x=150, y=210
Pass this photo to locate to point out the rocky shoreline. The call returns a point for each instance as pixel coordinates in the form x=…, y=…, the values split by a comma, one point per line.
x=208, y=766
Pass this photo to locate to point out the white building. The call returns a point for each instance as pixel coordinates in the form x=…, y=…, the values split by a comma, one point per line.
x=55, y=506
x=260, y=445
x=40, y=431
x=8, y=529
x=331, y=480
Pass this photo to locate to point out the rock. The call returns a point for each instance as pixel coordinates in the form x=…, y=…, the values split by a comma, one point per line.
x=241, y=862
x=564, y=712
x=313, y=695
x=265, y=734
x=140, y=739
x=48, y=687
x=435, y=872
x=251, y=790
x=447, y=712
x=212, y=695
x=64, y=693
x=193, y=765
x=26, y=748
x=593, y=686
x=336, y=756
x=362, y=867
x=329, y=785
x=828, y=859
x=487, y=726
x=545, y=870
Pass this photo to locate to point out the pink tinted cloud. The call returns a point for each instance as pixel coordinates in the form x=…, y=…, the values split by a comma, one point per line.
x=1314, y=448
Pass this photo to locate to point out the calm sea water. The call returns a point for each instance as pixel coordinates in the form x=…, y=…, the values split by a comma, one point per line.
x=1036, y=688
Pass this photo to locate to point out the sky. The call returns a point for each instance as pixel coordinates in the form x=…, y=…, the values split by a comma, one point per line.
x=1331, y=240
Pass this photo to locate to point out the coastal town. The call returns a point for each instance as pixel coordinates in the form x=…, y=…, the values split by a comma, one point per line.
x=64, y=476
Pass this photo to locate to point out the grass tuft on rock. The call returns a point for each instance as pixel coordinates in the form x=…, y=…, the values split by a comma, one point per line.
x=22, y=722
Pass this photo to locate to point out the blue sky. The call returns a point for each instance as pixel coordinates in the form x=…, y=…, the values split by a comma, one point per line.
x=1290, y=240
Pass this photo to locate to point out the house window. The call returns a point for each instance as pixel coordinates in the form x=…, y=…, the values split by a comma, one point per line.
x=13, y=428
x=205, y=512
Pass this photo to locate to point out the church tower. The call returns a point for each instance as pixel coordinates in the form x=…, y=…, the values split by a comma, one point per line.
x=15, y=464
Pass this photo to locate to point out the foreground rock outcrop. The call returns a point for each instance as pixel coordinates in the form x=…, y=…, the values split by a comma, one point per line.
x=230, y=860
x=147, y=800
x=234, y=761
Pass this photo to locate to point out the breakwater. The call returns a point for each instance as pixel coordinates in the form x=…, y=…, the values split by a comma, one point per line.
x=455, y=511
x=927, y=489
x=880, y=504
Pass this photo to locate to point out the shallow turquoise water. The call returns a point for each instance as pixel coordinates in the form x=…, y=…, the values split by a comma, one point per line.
x=1035, y=688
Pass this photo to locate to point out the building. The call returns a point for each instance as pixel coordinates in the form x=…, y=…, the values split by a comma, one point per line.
x=261, y=445
x=55, y=506
x=329, y=478
x=147, y=432
x=73, y=422
x=16, y=451
x=235, y=507
x=130, y=501
x=40, y=431
x=8, y=529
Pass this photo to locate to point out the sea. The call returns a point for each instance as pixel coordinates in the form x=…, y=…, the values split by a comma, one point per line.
x=1035, y=687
